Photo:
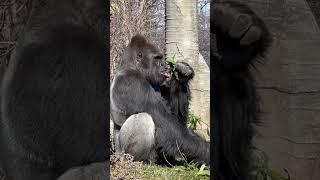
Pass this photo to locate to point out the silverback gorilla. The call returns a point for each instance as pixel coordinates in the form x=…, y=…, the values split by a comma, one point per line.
x=242, y=39
x=149, y=111
x=54, y=92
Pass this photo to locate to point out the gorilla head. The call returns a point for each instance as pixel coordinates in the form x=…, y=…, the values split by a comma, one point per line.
x=146, y=58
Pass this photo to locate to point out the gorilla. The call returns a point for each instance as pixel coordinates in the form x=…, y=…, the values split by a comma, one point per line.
x=242, y=40
x=54, y=93
x=149, y=107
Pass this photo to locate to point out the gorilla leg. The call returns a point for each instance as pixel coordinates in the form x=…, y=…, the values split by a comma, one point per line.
x=137, y=137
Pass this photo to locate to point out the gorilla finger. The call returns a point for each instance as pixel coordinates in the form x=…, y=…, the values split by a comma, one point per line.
x=223, y=16
x=183, y=68
x=230, y=20
x=253, y=35
x=240, y=26
x=180, y=67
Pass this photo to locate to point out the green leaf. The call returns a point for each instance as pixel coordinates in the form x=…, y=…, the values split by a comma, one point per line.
x=193, y=121
x=172, y=62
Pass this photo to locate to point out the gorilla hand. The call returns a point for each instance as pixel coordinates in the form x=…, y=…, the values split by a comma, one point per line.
x=241, y=34
x=183, y=72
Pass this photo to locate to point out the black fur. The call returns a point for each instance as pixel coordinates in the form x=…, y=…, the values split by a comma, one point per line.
x=139, y=87
x=177, y=94
x=242, y=39
x=54, y=93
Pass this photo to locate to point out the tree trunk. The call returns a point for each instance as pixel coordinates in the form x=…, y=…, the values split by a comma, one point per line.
x=182, y=42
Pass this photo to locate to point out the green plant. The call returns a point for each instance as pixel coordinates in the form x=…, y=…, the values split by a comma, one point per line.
x=261, y=169
x=172, y=62
x=194, y=121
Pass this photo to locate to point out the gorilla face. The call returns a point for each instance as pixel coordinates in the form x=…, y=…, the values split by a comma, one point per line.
x=154, y=67
x=148, y=60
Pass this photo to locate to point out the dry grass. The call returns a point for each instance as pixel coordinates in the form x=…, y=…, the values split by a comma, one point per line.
x=124, y=168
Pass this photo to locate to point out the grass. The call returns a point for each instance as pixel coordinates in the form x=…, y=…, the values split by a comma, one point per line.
x=263, y=171
x=123, y=167
x=187, y=172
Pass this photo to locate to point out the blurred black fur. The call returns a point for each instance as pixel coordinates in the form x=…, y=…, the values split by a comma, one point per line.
x=54, y=92
x=235, y=101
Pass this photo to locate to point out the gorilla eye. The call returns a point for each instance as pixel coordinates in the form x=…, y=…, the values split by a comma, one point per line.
x=139, y=57
x=160, y=64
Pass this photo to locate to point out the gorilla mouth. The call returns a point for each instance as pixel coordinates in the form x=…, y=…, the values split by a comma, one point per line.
x=166, y=73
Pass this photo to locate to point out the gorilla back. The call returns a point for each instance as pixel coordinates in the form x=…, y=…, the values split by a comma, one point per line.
x=53, y=105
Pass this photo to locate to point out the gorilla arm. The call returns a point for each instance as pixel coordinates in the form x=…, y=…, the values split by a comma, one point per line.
x=177, y=93
x=132, y=93
x=242, y=39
